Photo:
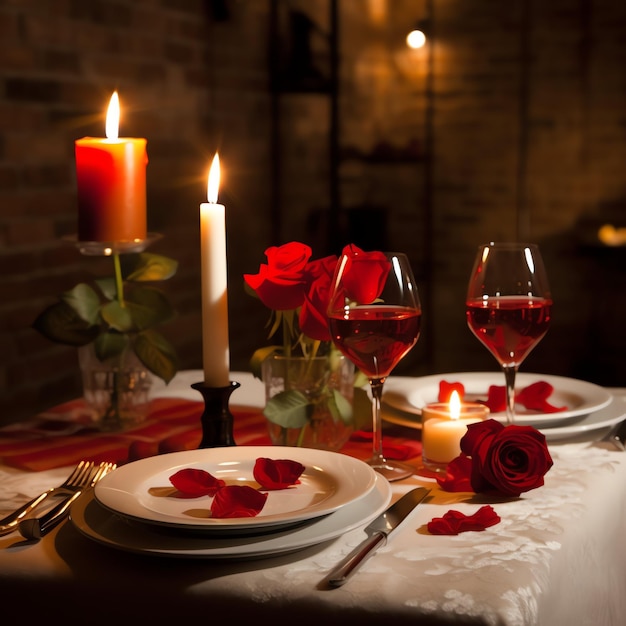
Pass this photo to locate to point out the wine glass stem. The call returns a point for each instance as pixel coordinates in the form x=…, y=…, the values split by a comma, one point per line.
x=509, y=377
x=377, y=433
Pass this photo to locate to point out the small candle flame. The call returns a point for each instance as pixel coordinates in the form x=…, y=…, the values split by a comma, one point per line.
x=214, y=180
x=113, y=117
x=455, y=405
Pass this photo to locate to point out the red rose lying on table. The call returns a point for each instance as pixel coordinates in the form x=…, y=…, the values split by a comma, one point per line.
x=534, y=396
x=496, y=459
x=238, y=500
x=504, y=460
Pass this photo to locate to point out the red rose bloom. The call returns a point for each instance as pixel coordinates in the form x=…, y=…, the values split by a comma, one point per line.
x=281, y=283
x=313, y=319
x=506, y=459
x=365, y=274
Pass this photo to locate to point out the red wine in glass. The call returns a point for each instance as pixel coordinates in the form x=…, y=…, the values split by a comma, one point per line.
x=509, y=326
x=509, y=306
x=374, y=317
x=375, y=338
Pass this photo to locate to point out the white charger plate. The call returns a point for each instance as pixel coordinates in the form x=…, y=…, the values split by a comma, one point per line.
x=580, y=397
x=97, y=523
x=142, y=490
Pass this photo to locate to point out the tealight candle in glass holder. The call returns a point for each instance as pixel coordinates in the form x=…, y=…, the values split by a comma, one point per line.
x=443, y=427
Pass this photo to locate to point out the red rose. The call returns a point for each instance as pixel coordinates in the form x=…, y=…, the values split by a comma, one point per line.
x=365, y=274
x=506, y=459
x=281, y=283
x=313, y=319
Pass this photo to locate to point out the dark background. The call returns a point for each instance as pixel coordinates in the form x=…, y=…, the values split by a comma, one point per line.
x=510, y=124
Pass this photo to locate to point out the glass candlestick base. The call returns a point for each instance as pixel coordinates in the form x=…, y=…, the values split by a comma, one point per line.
x=216, y=420
x=108, y=248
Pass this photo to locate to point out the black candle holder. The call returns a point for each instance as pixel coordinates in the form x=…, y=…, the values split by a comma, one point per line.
x=217, y=420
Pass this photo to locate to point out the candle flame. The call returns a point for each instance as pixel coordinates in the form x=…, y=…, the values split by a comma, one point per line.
x=214, y=180
x=455, y=405
x=113, y=117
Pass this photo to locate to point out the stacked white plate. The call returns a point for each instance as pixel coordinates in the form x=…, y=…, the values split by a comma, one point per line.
x=136, y=508
x=589, y=407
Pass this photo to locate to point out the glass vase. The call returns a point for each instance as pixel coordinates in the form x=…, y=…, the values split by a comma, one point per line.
x=115, y=390
x=309, y=401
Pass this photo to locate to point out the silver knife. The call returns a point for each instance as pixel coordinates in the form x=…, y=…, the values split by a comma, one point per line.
x=379, y=531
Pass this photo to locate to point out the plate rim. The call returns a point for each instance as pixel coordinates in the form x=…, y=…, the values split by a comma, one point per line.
x=526, y=419
x=108, y=492
x=352, y=516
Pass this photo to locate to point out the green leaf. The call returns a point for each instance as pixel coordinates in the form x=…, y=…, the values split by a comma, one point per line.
x=107, y=287
x=340, y=407
x=85, y=301
x=148, y=307
x=256, y=361
x=289, y=409
x=157, y=354
x=61, y=323
x=117, y=316
x=360, y=379
x=150, y=267
x=109, y=345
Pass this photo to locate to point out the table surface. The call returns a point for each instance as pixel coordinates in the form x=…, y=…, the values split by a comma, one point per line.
x=557, y=557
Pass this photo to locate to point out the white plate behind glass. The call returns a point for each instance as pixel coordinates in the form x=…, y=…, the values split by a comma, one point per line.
x=580, y=397
x=142, y=490
x=98, y=524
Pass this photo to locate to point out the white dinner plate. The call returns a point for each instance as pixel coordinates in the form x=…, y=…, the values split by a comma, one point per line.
x=142, y=490
x=97, y=523
x=606, y=417
x=580, y=397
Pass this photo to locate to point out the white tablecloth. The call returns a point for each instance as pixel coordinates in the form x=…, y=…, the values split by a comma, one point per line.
x=556, y=558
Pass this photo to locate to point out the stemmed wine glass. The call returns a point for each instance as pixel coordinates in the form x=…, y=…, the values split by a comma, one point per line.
x=508, y=306
x=374, y=319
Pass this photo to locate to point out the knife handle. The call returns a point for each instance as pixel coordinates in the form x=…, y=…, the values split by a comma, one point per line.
x=355, y=559
x=37, y=527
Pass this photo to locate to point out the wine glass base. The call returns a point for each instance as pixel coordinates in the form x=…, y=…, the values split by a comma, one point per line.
x=392, y=470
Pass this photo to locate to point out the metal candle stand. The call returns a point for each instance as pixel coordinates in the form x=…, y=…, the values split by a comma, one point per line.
x=217, y=420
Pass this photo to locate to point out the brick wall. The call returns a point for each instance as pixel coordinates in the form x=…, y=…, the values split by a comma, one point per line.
x=511, y=125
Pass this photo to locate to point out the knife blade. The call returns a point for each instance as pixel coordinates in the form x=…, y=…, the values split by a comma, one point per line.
x=379, y=532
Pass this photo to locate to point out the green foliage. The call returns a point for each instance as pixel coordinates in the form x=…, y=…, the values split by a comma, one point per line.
x=112, y=320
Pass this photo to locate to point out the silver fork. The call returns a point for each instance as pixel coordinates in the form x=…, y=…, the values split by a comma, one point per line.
x=72, y=482
x=37, y=527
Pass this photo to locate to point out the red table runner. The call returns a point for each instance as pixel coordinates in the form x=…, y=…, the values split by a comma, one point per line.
x=60, y=437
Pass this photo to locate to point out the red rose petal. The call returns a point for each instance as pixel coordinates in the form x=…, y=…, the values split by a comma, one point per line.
x=193, y=483
x=535, y=397
x=237, y=501
x=446, y=389
x=496, y=398
x=458, y=474
x=277, y=473
x=454, y=522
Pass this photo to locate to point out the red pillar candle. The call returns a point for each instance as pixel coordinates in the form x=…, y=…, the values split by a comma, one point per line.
x=111, y=180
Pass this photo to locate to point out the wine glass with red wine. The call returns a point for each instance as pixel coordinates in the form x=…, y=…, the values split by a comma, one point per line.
x=374, y=318
x=508, y=306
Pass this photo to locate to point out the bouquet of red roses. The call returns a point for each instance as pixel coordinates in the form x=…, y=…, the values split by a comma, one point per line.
x=296, y=289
